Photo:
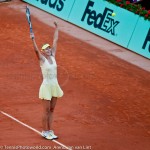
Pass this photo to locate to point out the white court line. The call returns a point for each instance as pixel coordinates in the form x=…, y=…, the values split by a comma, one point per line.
x=9, y=116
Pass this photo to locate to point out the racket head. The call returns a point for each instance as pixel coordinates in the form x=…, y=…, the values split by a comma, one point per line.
x=28, y=15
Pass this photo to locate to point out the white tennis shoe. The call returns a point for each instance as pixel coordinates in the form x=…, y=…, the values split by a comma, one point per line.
x=51, y=133
x=46, y=135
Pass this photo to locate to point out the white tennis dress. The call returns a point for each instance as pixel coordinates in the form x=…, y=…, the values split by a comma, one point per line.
x=49, y=87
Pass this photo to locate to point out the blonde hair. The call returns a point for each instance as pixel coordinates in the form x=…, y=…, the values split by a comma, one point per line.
x=45, y=46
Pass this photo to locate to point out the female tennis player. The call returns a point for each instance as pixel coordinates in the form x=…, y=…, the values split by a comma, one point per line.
x=49, y=89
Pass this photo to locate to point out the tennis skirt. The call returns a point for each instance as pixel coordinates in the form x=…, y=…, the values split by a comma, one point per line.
x=47, y=91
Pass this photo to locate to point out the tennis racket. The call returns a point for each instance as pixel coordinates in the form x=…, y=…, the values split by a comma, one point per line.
x=29, y=18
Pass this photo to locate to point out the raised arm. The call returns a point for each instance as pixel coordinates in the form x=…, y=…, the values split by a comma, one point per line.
x=55, y=39
x=38, y=54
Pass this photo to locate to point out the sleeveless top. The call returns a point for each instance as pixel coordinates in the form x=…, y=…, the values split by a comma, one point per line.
x=49, y=87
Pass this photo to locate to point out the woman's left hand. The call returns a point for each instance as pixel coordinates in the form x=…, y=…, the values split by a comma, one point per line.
x=56, y=24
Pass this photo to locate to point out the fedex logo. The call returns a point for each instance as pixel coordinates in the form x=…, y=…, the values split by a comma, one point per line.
x=103, y=21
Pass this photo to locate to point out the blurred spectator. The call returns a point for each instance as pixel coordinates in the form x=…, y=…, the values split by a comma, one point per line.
x=144, y=3
x=135, y=1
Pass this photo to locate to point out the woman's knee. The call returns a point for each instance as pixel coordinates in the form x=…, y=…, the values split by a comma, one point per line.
x=49, y=110
x=52, y=109
x=53, y=104
x=46, y=107
x=46, y=111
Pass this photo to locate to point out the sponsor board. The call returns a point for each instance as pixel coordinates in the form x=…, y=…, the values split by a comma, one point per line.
x=96, y=16
x=140, y=41
x=59, y=8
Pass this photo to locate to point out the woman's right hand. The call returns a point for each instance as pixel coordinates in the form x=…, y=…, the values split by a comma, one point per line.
x=56, y=24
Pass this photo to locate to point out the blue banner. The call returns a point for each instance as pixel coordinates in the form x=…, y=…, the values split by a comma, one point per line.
x=140, y=41
x=59, y=8
x=104, y=19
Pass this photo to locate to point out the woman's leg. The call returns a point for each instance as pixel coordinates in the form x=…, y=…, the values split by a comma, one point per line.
x=52, y=105
x=46, y=112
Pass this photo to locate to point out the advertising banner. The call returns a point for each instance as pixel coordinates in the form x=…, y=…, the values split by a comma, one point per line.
x=140, y=41
x=104, y=19
x=59, y=8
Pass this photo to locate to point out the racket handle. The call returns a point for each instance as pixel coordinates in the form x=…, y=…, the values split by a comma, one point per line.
x=32, y=35
x=31, y=31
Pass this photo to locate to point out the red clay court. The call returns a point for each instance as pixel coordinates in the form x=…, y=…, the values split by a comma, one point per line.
x=106, y=102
